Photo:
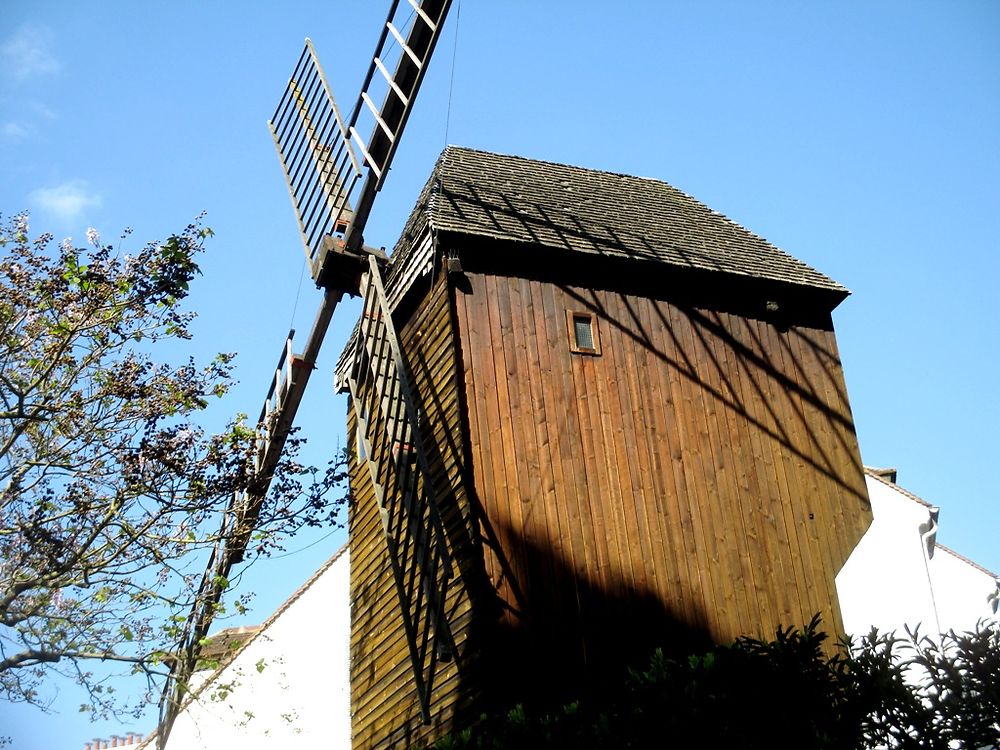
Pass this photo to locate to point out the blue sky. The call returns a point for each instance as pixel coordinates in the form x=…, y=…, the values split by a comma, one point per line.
x=862, y=137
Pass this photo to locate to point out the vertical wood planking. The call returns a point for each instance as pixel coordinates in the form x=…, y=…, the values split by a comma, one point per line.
x=817, y=517
x=621, y=449
x=768, y=602
x=727, y=501
x=509, y=422
x=639, y=497
x=680, y=462
x=572, y=505
x=677, y=521
x=689, y=420
x=679, y=465
x=792, y=555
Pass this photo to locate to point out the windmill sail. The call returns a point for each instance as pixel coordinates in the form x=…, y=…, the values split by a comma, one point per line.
x=320, y=166
x=388, y=420
x=329, y=168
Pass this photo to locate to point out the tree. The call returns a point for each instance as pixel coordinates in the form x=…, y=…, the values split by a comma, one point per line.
x=112, y=499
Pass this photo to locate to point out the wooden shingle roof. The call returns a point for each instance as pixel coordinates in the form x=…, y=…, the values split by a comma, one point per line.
x=541, y=204
x=588, y=211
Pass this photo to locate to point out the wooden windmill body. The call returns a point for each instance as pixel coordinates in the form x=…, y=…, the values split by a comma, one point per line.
x=588, y=415
x=634, y=431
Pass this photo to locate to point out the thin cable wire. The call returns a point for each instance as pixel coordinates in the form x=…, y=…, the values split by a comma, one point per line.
x=311, y=544
x=406, y=27
x=298, y=292
x=451, y=82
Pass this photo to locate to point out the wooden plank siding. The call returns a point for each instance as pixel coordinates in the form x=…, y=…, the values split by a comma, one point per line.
x=699, y=479
x=384, y=702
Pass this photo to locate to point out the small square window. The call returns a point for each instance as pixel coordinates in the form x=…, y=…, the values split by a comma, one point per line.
x=583, y=334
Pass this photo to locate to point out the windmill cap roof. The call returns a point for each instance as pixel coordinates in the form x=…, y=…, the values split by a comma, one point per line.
x=589, y=211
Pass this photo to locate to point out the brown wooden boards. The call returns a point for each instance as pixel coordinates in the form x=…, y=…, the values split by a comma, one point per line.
x=703, y=466
x=698, y=479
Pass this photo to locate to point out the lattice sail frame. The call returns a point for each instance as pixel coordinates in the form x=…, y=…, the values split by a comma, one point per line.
x=324, y=160
x=323, y=155
x=321, y=169
x=389, y=427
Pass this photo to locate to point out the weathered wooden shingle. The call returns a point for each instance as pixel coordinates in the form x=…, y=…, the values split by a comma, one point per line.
x=566, y=208
x=585, y=210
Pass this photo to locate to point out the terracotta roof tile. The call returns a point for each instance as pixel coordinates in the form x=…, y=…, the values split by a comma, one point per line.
x=878, y=475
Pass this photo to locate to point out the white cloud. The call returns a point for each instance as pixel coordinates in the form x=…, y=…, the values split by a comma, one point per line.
x=46, y=113
x=26, y=54
x=65, y=202
x=14, y=130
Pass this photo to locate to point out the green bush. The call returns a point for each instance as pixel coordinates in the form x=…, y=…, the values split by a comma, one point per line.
x=906, y=692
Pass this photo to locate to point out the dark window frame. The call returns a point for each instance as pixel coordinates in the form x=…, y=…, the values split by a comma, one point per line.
x=572, y=316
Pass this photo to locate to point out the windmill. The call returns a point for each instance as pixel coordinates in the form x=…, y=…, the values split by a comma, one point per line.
x=334, y=175
x=588, y=413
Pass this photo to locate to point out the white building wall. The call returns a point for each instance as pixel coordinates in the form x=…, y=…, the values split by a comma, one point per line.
x=890, y=581
x=964, y=592
x=289, y=687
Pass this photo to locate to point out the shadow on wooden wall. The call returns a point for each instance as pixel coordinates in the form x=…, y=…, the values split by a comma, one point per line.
x=565, y=635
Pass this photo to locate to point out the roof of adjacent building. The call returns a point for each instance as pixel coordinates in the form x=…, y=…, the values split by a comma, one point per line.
x=589, y=211
x=881, y=475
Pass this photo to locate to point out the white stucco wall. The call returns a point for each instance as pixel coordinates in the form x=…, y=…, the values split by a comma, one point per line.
x=962, y=591
x=301, y=698
x=891, y=581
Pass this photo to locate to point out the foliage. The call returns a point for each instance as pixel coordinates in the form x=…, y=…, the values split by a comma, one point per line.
x=912, y=692
x=111, y=496
x=930, y=692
